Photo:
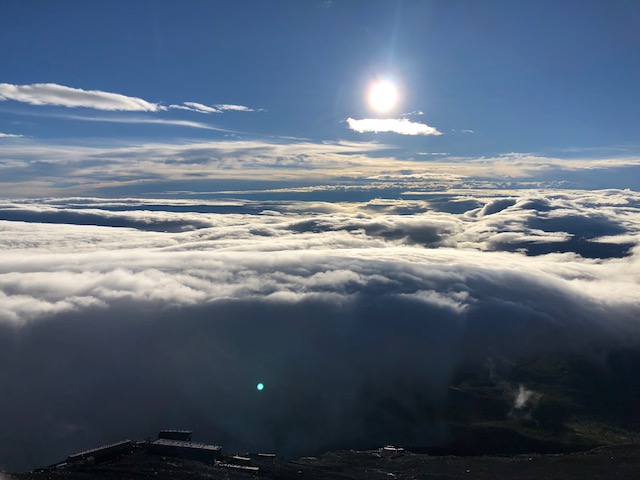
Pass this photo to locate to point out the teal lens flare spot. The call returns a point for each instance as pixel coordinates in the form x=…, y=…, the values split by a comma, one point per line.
x=260, y=386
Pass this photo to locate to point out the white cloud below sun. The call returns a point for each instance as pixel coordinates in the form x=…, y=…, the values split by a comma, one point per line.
x=383, y=97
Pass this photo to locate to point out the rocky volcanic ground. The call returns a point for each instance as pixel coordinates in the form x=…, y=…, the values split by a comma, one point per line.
x=612, y=462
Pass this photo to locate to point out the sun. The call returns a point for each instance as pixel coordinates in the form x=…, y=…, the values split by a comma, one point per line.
x=383, y=96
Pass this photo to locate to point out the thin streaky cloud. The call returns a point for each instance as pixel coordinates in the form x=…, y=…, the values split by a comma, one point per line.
x=610, y=148
x=235, y=108
x=217, y=108
x=10, y=135
x=181, y=107
x=401, y=126
x=415, y=112
x=144, y=120
x=201, y=108
x=60, y=95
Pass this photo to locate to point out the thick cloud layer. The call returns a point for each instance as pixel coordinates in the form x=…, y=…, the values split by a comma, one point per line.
x=354, y=316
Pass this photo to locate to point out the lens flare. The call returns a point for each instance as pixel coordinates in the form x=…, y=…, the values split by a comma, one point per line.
x=260, y=386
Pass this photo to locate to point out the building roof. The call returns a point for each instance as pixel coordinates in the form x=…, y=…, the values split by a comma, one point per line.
x=99, y=449
x=183, y=444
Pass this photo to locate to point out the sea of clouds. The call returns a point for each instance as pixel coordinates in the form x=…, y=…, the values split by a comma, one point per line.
x=120, y=317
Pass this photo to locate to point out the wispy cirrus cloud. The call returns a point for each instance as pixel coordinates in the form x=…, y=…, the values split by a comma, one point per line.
x=401, y=126
x=60, y=95
x=10, y=135
x=201, y=108
x=217, y=108
x=143, y=120
x=235, y=108
x=52, y=94
x=412, y=113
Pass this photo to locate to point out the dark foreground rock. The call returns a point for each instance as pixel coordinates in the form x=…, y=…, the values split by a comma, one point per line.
x=611, y=462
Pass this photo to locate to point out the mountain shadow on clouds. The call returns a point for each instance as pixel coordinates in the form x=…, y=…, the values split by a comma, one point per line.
x=334, y=376
x=340, y=371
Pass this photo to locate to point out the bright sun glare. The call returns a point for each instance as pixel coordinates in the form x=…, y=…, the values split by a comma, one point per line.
x=383, y=96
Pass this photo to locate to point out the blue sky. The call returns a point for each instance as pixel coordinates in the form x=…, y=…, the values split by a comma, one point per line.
x=550, y=79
